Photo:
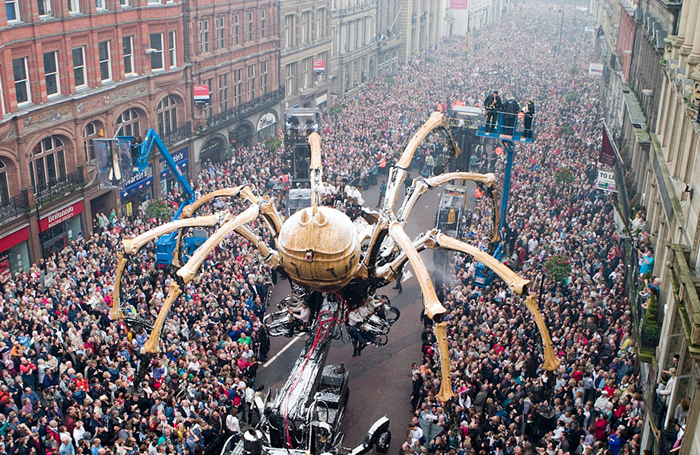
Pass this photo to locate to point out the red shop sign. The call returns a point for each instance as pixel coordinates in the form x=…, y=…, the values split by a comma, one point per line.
x=13, y=239
x=60, y=215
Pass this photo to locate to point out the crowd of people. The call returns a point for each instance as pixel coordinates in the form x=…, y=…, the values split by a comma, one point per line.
x=67, y=369
x=506, y=403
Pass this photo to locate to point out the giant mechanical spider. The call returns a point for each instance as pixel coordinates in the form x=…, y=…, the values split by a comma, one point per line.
x=332, y=257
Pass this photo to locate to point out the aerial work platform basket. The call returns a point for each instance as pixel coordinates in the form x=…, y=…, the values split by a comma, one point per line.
x=505, y=126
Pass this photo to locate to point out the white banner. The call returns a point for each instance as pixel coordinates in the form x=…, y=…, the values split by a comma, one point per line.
x=606, y=181
x=595, y=69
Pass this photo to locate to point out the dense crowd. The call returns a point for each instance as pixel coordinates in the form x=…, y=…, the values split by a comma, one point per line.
x=67, y=368
x=506, y=402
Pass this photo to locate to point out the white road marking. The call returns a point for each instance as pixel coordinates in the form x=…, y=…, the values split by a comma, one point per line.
x=287, y=346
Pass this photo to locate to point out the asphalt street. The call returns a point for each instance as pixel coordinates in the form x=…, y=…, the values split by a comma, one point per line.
x=380, y=379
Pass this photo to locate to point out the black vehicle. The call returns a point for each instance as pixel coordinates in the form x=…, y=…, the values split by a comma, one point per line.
x=298, y=199
x=452, y=215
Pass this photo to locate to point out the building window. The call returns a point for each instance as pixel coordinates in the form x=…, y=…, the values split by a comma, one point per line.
x=12, y=10
x=203, y=36
x=290, y=79
x=105, y=61
x=172, y=53
x=124, y=3
x=237, y=87
x=74, y=6
x=263, y=78
x=153, y=2
x=167, y=115
x=223, y=92
x=249, y=27
x=90, y=132
x=288, y=31
x=100, y=4
x=79, y=66
x=305, y=72
x=44, y=7
x=262, y=23
x=321, y=24
x=209, y=108
x=156, y=51
x=128, y=123
x=53, y=83
x=251, y=82
x=22, y=89
x=235, y=30
x=2, y=99
x=220, y=32
x=50, y=162
x=128, y=51
x=305, y=25
x=4, y=187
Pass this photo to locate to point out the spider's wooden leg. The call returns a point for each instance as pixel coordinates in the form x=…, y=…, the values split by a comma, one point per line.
x=132, y=246
x=116, y=312
x=188, y=271
x=267, y=209
x=315, y=169
x=433, y=308
x=420, y=186
x=398, y=171
x=517, y=285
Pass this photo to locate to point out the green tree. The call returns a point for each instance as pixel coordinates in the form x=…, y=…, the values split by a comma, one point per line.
x=273, y=143
x=158, y=209
x=335, y=110
x=563, y=176
x=570, y=97
x=566, y=130
x=558, y=267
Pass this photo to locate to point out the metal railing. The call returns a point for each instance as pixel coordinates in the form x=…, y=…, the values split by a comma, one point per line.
x=179, y=134
x=658, y=410
x=14, y=207
x=236, y=113
x=62, y=186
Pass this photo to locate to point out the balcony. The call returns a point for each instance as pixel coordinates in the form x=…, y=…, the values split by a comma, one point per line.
x=241, y=111
x=685, y=292
x=177, y=135
x=61, y=187
x=16, y=206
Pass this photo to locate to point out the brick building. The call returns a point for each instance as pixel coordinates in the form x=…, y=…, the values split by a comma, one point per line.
x=306, y=48
x=235, y=52
x=72, y=71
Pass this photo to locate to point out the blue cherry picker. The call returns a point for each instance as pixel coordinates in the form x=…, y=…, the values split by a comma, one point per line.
x=510, y=127
x=112, y=166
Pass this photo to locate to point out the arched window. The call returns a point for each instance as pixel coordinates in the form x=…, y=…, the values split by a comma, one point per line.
x=4, y=186
x=167, y=115
x=91, y=131
x=48, y=162
x=130, y=123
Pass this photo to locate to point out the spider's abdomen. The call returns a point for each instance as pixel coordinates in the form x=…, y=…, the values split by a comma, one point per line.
x=319, y=251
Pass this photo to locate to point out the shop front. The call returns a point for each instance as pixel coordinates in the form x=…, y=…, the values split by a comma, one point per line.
x=214, y=150
x=138, y=189
x=59, y=226
x=14, y=251
x=168, y=182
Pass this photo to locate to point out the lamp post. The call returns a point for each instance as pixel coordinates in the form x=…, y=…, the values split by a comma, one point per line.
x=561, y=30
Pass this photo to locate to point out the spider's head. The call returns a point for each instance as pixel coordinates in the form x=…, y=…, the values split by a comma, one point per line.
x=319, y=251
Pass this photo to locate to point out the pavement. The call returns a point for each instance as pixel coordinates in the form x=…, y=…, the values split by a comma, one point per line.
x=380, y=379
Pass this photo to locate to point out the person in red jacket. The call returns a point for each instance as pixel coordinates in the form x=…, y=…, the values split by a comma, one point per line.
x=601, y=428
